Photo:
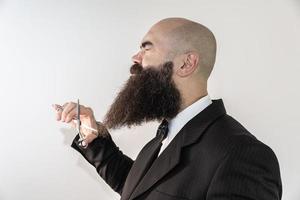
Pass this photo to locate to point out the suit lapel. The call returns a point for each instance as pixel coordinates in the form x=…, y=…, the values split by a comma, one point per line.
x=137, y=170
x=170, y=157
x=167, y=161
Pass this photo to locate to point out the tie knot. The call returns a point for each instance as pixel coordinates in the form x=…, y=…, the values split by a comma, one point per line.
x=163, y=129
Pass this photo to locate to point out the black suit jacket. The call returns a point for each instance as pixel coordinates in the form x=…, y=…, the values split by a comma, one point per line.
x=213, y=157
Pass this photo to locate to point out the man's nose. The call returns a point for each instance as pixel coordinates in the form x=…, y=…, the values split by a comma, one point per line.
x=137, y=58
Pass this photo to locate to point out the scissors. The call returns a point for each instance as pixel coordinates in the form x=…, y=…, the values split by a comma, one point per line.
x=76, y=119
x=78, y=126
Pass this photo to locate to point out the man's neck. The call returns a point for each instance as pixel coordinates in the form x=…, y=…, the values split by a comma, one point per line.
x=189, y=100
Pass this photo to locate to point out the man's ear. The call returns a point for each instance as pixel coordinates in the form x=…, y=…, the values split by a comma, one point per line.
x=190, y=64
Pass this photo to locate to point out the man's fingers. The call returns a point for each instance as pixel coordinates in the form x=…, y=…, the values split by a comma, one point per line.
x=59, y=110
x=67, y=109
x=71, y=115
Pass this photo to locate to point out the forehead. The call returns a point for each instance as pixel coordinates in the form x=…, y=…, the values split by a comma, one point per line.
x=159, y=38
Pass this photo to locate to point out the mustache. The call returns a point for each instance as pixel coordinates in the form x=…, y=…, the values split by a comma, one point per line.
x=164, y=71
x=136, y=68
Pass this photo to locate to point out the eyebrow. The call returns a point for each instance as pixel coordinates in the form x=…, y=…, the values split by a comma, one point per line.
x=145, y=44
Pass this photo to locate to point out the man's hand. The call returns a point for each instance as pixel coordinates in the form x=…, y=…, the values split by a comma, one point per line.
x=67, y=113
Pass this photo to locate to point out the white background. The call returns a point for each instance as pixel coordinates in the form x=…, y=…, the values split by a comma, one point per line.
x=60, y=50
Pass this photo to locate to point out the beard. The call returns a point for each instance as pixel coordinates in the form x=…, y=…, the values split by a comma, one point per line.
x=149, y=94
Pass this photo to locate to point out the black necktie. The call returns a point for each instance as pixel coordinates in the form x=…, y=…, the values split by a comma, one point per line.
x=161, y=134
x=162, y=131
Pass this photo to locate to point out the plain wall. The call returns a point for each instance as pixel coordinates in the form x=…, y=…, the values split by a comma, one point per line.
x=60, y=50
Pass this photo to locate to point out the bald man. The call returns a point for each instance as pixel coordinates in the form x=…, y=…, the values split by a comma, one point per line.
x=199, y=151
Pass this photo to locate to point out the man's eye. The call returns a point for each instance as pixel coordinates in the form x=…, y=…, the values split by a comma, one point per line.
x=147, y=47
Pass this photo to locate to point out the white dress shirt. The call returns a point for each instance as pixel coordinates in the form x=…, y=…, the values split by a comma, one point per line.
x=176, y=123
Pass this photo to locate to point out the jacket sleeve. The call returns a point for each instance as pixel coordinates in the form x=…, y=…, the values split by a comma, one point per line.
x=110, y=163
x=248, y=172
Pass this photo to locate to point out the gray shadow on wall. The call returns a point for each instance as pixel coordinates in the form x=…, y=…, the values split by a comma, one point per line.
x=297, y=2
x=68, y=135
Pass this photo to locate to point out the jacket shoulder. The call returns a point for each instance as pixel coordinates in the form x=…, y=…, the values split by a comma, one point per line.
x=228, y=136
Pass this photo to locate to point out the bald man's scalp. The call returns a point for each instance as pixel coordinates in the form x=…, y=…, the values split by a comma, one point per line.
x=187, y=36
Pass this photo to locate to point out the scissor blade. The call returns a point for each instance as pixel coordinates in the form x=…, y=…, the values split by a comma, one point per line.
x=78, y=119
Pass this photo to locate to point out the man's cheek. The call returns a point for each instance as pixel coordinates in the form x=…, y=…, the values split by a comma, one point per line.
x=150, y=59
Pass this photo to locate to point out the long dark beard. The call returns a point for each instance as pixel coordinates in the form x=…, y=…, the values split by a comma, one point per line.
x=148, y=95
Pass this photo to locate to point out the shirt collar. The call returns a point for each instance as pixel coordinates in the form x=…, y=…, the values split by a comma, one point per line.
x=176, y=123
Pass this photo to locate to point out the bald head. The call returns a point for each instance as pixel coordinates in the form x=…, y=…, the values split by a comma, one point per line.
x=184, y=36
